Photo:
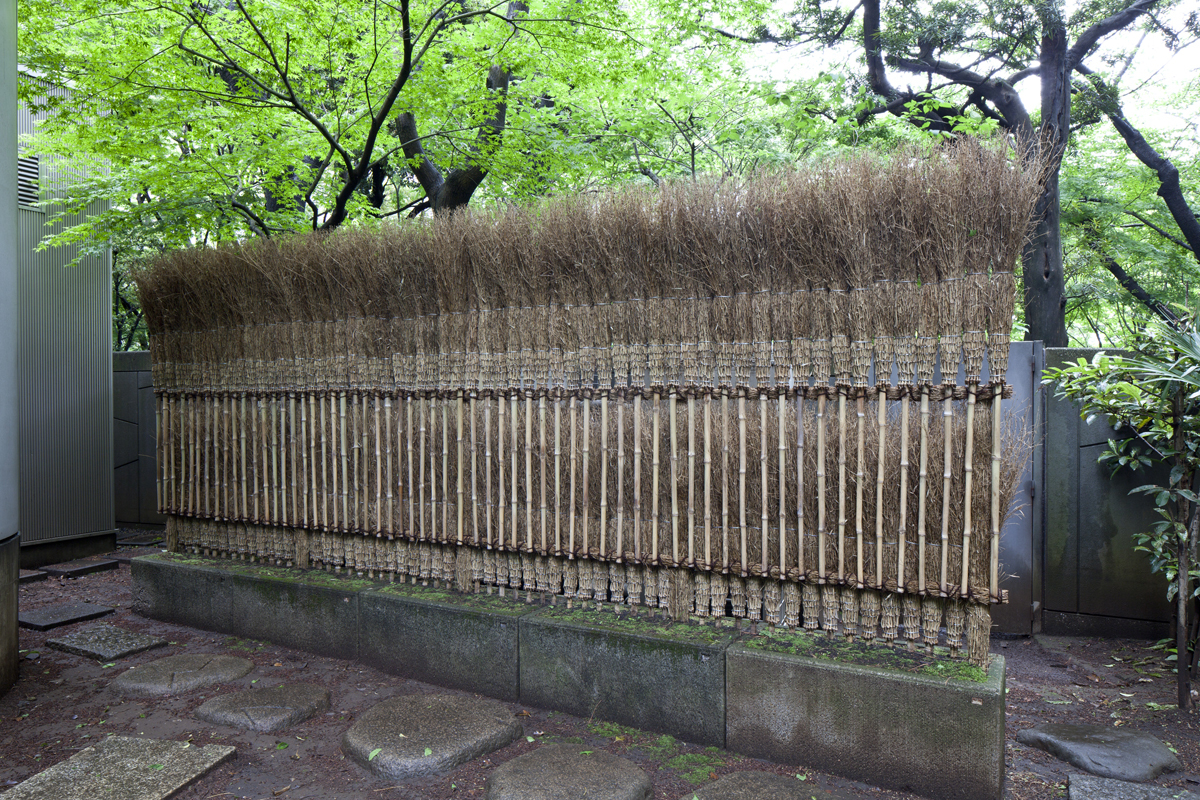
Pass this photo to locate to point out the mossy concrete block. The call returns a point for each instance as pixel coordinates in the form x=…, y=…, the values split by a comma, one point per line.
x=308, y=610
x=460, y=641
x=940, y=738
x=639, y=672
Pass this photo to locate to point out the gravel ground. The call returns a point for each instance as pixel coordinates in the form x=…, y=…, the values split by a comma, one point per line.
x=62, y=703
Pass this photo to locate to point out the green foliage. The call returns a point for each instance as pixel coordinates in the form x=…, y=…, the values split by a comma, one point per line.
x=696, y=768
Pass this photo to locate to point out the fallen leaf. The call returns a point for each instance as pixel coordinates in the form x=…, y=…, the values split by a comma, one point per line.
x=278, y=792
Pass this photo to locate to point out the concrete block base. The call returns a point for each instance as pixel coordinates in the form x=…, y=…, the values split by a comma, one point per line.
x=461, y=641
x=940, y=738
x=653, y=676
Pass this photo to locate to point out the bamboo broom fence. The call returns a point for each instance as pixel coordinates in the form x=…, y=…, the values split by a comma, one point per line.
x=647, y=399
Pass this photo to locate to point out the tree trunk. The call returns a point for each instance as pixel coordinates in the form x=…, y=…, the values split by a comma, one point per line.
x=1042, y=260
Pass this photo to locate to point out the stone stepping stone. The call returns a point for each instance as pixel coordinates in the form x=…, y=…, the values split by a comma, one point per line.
x=759, y=786
x=105, y=642
x=77, y=569
x=31, y=576
x=1107, y=752
x=415, y=735
x=1090, y=787
x=567, y=772
x=44, y=619
x=178, y=674
x=123, y=766
x=266, y=710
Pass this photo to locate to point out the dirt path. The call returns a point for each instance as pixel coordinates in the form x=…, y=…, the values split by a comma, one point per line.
x=62, y=703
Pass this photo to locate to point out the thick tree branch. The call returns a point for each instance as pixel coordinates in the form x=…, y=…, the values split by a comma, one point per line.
x=897, y=101
x=1169, y=188
x=1001, y=93
x=1122, y=19
x=1130, y=284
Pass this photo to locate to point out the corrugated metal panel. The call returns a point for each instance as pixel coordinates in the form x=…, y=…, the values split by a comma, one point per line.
x=64, y=379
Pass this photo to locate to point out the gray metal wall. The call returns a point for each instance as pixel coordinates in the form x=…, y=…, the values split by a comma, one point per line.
x=9, y=504
x=64, y=362
x=135, y=496
x=1095, y=580
x=1021, y=538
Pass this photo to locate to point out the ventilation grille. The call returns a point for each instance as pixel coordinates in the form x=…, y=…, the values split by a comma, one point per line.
x=27, y=181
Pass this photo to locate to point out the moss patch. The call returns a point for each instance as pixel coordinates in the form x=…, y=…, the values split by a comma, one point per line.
x=838, y=648
x=658, y=628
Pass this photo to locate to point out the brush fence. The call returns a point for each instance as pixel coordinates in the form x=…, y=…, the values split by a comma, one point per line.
x=697, y=452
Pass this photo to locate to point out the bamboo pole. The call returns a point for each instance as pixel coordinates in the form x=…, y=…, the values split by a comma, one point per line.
x=968, y=469
x=881, y=422
x=800, y=563
x=242, y=447
x=223, y=466
x=603, y=473
x=291, y=439
x=194, y=473
x=859, y=479
x=994, y=582
x=304, y=460
x=487, y=480
x=821, y=399
x=901, y=533
x=620, y=545
x=558, y=476
x=433, y=468
x=445, y=408
x=275, y=498
x=377, y=402
x=458, y=460
x=571, y=401
x=764, y=525
x=501, y=498
x=742, y=476
x=169, y=461
x=708, y=480
x=324, y=420
x=672, y=405
x=724, y=481
x=782, y=486
x=345, y=456
x=691, y=499
x=207, y=507
x=947, y=437
x=285, y=448
x=262, y=506
x=841, y=523
x=412, y=529
x=654, y=473
x=542, y=470
x=922, y=485
x=637, y=477
x=528, y=474
x=514, y=432
x=422, y=533
x=387, y=457
x=474, y=479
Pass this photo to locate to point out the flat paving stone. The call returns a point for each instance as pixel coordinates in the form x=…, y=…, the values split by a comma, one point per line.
x=179, y=674
x=266, y=710
x=123, y=766
x=31, y=576
x=760, y=786
x=1091, y=787
x=567, y=772
x=427, y=734
x=44, y=619
x=1107, y=752
x=77, y=569
x=105, y=642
